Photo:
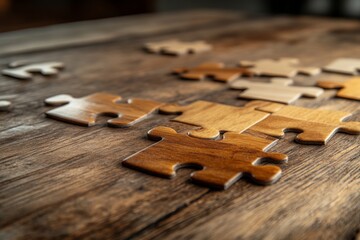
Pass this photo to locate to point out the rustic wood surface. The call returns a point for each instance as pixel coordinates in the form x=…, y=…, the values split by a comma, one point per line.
x=62, y=181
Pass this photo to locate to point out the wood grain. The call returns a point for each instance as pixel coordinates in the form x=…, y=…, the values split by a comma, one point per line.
x=220, y=163
x=63, y=181
x=85, y=110
x=214, y=118
x=315, y=126
x=349, y=89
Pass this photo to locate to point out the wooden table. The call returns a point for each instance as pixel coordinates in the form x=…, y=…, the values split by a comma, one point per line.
x=62, y=181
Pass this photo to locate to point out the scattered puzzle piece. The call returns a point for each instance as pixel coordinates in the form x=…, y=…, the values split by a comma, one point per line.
x=284, y=67
x=315, y=126
x=4, y=105
x=344, y=66
x=22, y=71
x=221, y=162
x=278, y=90
x=217, y=71
x=83, y=111
x=176, y=47
x=349, y=89
x=214, y=118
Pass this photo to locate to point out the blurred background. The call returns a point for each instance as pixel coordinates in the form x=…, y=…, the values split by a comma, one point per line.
x=21, y=14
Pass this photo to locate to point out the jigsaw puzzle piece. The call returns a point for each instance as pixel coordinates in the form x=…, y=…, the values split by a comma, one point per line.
x=213, y=118
x=313, y=125
x=176, y=47
x=349, y=89
x=344, y=66
x=220, y=163
x=25, y=71
x=217, y=71
x=277, y=90
x=284, y=67
x=5, y=105
x=84, y=111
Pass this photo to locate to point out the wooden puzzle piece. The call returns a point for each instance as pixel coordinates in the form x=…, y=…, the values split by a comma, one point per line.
x=344, y=66
x=221, y=162
x=349, y=89
x=176, y=47
x=284, y=67
x=278, y=90
x=83, y=111
x=315, y=126
x=214, y=118
x=4, y=105
x=25, y=71
x=217, y=71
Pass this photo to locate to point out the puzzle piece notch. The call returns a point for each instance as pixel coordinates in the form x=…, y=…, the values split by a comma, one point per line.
x=314, y=126
x=349, y=66
x=283, y=67
x=177, y=48
x=213, y=118
x=278, y=90
x=24, y=71
x=83, y=111
x=221, y=162
x=215, y=70
x=349, y=89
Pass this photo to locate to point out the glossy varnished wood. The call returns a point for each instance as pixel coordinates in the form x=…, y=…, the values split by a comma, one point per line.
x=220, y=163
x=63, y=181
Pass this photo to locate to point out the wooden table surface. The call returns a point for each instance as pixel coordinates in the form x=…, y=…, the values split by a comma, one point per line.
x=62, y=181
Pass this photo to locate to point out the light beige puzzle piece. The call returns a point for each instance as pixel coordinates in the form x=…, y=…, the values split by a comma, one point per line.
x=4, y=105
x=176, y=47
x=349, y=89
x=25, y=71
x=214, y=118
x=344, y=66
x=284, y=67
x=315, y=126
x=278, y=90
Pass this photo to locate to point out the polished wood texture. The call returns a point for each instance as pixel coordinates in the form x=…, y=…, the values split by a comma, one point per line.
x=85, y=110
x=176, y=47
x=277, y=90
x=349, y=89
x=214, y=118
x=220, y=163
x=284, y=67
x=25, y=71
x=216, y=71
x=316, y=126
x=344, y=66
x=63, y=181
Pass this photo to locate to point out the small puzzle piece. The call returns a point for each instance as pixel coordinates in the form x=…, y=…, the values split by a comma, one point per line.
x=278, y=90
x=4, y=105
x=315, y=126
x=222, y=162
x=176, y=47
x=214, y=118
x=349, y=89
x=284, y=67
x=83, y=111
x=21, y=71
x=344, y=66
x=217, y=71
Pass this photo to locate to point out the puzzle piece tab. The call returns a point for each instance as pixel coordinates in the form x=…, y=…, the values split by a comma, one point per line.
x=315, y=126
x=222, y=162
x=214, y=118
x=349, y=89
x=284, y=67
x=344, y=66
x=176, y=47
x=83, y=111
x=217, y=71
x=278, y=90
x=25, y=71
